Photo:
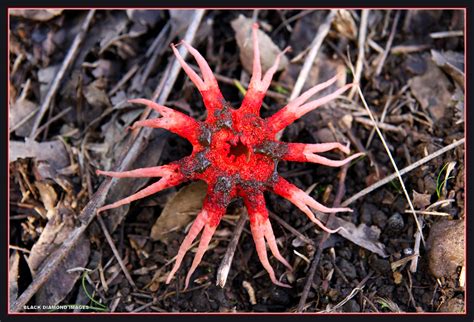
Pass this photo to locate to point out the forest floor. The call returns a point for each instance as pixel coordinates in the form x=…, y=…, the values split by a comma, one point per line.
x=69, y=117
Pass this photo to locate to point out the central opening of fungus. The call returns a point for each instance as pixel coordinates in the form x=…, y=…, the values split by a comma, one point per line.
x=239, y=149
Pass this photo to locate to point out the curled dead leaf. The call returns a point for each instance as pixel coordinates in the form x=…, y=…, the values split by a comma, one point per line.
x=268, y=50
x=56, y=231
x=179, y=211
x=344, y=24
x=362, y=235
x=48, y=196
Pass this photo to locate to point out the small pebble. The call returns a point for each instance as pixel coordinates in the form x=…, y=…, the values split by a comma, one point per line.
x=395, y=224
x=446, y=247
x=453, y=305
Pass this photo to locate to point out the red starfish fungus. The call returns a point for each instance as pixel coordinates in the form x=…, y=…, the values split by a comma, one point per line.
x=235, y=152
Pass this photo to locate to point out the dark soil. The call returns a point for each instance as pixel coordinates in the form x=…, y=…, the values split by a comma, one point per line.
x=420, y=101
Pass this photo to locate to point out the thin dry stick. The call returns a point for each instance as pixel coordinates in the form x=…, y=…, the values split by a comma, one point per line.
x=389, y=44
x=402, y=172
x=62, y=71
x=115, y=251
x=361, y=54
x=319, y=251
x=416, y=249
x=54, y=119
x=383, y=126
x=132, y=151
x=224, y=268
x=446, y=34
x=315, y=45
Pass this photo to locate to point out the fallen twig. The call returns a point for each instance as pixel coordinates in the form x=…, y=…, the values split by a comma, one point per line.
x=389, y=44
x=291, y=229
x=224, y=268
x=447, y=34
x=383, y=126
x=361, y=46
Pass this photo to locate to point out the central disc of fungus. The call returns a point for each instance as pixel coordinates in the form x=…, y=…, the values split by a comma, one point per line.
x=236, y=153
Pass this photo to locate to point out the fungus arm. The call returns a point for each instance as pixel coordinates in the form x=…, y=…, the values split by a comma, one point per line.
x=261, y=231
x=207, y=221
x=303, y=201
x=258, y=87
x=170, y=177
x=171, y=120
x=297, y=107
x=301, y=152
x=207, y=85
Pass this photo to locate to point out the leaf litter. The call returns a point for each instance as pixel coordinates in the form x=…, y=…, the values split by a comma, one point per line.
x=118, y=41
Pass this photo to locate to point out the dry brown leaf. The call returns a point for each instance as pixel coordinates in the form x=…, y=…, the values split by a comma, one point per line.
x=268, y=50
x=421, y=200
x=56, y=231
x=445, y=246
x=362, y=235
x=431, y=90
x=96, y=96
x=62, y=281
x=52, y=152
x=344, y=23
x=48, y=196
x=179, y=211
x=18, y=112
x=38, y=15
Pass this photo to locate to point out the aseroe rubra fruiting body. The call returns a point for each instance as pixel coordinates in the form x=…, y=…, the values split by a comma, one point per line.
x=236, y=153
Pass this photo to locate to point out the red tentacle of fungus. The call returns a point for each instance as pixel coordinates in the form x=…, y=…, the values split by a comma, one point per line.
x=235, y=152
